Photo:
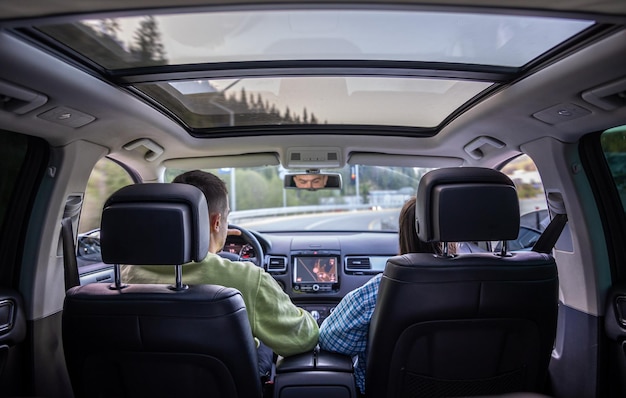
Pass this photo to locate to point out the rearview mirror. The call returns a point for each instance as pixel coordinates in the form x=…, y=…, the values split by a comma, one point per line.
x=312, y=181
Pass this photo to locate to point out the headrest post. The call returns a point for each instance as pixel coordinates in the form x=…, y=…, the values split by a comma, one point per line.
x=444, y=249
x=117, y=276
x=179, y=279
x=504, y=248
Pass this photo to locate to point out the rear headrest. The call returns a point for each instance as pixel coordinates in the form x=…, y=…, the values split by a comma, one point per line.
x=155, y=224
x=465, y=204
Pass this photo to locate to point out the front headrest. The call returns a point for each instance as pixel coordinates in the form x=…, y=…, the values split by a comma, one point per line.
x=155, y=224
x=465, y=204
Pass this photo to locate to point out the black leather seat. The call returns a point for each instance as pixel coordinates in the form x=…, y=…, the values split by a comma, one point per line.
x=157, y=340
x=469, y=324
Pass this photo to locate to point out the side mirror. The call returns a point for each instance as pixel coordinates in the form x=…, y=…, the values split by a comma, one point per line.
x=312, y=181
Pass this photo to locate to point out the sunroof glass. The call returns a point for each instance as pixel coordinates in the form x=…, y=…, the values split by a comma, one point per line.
x=405, y=102
x=266, y=35
x=228, y=39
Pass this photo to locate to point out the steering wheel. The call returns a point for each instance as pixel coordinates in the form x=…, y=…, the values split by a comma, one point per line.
x=250, y=239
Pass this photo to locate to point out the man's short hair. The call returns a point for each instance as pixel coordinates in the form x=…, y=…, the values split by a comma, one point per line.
x=213, y=188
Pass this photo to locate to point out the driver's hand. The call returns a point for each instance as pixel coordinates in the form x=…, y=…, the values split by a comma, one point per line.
x=232, y=231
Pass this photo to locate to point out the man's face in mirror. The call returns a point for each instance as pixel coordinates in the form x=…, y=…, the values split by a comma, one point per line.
x=310, y=181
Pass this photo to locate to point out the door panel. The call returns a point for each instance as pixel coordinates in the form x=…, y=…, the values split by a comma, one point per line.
x=12, y=323
x=615, y=326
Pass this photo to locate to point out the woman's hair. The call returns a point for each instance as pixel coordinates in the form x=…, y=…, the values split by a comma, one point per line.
x=409, y=241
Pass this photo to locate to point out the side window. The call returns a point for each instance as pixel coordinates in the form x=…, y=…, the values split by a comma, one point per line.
x=611, y=197
x=534, y=216
x=106, y=178
x=613, y=143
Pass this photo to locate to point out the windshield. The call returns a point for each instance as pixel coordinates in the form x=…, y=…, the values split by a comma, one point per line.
x=370, y=199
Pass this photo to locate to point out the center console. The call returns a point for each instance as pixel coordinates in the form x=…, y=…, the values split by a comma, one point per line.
x=315, y=374
x=315, y=274
x=315, y=271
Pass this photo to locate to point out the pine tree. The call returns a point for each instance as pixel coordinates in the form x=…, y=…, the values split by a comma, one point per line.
x=148, y=47
x=109, y=27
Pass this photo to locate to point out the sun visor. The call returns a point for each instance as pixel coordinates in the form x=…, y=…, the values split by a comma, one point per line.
x=394, y=160
x=216, y=162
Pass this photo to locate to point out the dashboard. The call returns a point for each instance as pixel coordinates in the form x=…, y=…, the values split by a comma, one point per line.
x=317, y=269
x=238, y=247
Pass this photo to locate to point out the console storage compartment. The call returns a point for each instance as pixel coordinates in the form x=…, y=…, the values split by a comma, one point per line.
x=315, y=374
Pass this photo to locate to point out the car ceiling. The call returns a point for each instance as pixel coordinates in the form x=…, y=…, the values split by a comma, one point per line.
x=505, y=116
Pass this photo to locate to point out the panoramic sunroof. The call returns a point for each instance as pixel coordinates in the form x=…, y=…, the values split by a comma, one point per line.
x=254, y=43
x=313, y=100
x=241, y=36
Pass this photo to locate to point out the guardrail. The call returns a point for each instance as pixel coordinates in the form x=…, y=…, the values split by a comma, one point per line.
x=236, y=217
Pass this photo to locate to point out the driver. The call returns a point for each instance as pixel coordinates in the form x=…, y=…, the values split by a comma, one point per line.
x=275, y=320
x=310, y=181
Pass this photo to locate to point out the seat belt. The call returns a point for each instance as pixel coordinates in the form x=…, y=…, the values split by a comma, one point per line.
x=551, y=234
x=548, y=238
x=69, y=254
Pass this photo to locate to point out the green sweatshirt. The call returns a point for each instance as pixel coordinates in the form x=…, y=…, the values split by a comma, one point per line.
x=275, y=320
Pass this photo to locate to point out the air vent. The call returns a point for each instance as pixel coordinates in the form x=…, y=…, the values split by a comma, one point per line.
x=358, y=264
x=277, y=264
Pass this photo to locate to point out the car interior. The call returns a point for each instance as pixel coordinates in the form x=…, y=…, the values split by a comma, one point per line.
x=506, y=121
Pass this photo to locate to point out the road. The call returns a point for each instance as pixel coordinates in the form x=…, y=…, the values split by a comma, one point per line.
x=362, y=220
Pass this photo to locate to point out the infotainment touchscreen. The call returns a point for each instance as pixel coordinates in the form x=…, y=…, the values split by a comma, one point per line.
x=317, y=269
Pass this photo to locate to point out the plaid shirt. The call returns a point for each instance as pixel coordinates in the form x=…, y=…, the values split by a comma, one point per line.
x=345, y=330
